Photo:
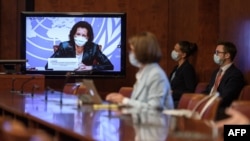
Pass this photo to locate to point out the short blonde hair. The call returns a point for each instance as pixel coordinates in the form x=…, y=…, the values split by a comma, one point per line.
x=146, y=47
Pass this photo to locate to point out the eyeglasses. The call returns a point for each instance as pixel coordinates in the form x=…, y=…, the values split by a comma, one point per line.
x=217, y=52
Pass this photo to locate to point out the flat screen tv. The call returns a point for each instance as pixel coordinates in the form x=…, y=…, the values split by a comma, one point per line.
x=82, y=44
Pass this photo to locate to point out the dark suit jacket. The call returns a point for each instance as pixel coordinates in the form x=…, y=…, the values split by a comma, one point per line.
x=184, y=80
x=230, y=86
x=91, y=54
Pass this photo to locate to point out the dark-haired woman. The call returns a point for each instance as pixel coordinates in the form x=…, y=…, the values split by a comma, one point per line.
x=183, y=76
x=81, y=46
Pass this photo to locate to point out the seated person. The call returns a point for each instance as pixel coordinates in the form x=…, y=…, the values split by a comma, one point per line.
x=183, y=76
x=227, y=80
x=236, y=118
x=81, y=46
x=152, y=89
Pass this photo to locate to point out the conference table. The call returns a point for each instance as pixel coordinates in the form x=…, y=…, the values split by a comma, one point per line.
x=59, y=115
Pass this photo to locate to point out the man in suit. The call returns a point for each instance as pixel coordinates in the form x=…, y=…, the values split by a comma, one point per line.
x=227, y=80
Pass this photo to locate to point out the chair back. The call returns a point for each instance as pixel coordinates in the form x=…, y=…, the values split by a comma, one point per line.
x=74, y=88
x=82, y=89
x=14, y=130
x=201, y=87
x=201, y=104
x=71, y=88
x=245, y=93
x=187, y=98
x=126, y=91
x=207, y=111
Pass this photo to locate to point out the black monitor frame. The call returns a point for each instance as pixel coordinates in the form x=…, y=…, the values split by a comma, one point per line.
x=91, y=74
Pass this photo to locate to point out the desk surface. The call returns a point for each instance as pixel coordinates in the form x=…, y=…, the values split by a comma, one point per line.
x=86, y=123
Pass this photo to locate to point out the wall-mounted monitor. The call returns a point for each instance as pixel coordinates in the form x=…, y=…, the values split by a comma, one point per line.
x=84, y=44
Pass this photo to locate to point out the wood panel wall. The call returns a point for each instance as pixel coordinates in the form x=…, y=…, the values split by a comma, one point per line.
x=191, y=20
x=201, y=21
x=235, y=26
x=9, y=30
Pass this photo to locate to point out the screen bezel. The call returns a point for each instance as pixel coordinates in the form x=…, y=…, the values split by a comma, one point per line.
x=88, y=74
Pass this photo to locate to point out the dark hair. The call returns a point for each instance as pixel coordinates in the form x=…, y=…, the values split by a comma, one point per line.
x=229, y=47
x=187, y=47
x=146, y=47
x=82, y=24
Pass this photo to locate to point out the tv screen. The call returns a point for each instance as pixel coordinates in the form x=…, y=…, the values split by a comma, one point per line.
x=82, y=44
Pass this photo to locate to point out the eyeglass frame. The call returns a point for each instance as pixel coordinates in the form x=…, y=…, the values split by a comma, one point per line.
x=217, y=52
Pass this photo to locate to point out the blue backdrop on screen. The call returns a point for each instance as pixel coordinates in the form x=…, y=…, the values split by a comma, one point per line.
x=42, y=33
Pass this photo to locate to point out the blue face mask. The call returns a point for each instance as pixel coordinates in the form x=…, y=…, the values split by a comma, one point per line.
x=217, y=60
x=133, y=61
x=80, y=41
x=174, y=55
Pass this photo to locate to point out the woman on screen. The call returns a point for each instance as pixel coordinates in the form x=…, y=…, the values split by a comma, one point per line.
x=81, y=46
x=152, y=89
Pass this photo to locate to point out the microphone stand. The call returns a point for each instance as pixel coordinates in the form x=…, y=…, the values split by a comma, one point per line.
x=65, y=82
x=12, y=85
x=46, y=93
x=33, y=89
x=28, y=80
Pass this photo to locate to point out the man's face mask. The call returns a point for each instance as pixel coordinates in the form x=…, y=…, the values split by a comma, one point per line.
x=80, y=41
x=218, y=60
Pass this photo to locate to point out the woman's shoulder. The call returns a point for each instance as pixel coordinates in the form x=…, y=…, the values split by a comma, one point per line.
x=151, y=66
x=154, y=69
x=91, y=46
x=65, y=44
x=187, y=66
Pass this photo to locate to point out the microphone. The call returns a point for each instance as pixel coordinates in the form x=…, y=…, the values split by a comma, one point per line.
x=65, y=82
x=25, y=82
x=46, y=92
x=33, y=89
x=13, y=85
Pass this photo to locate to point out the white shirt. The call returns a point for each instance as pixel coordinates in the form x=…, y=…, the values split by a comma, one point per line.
x=79, y=58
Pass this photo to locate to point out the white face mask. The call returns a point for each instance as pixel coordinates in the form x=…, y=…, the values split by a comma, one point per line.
x=174, y=55
x=80, y=41
x=217, y=60
x=133, y=61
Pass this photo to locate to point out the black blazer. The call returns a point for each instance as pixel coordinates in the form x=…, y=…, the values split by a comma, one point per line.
x=230, y=86
x=91, y=54
x=184, y=80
